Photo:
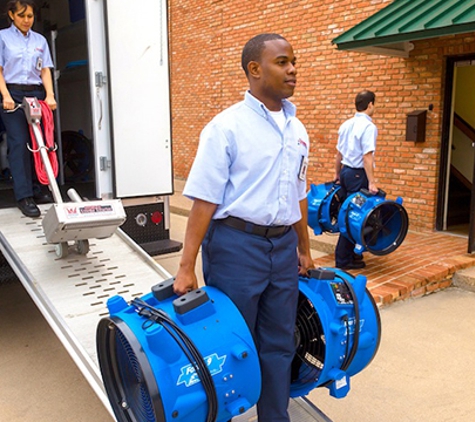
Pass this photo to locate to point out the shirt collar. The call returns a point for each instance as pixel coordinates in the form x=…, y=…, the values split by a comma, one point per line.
x=17, y=31
x=261, y=109
x=357, y=114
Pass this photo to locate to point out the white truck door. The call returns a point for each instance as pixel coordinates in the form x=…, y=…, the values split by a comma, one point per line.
x=101, y=131
x=138, y=82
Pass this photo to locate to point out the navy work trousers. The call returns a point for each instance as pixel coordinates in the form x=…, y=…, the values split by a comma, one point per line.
x=18, y=136
x=260, y=275
x=352, y=181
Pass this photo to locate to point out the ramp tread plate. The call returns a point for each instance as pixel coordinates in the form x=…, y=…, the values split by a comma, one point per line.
x=72, y=292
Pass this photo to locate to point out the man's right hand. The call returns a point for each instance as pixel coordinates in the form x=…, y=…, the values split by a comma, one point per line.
x=8, y=103
x=185, y=281
x=373, y=188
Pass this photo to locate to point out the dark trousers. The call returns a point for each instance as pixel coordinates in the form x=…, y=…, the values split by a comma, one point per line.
x=18, y=136
x=352, y=181
x=260, y=276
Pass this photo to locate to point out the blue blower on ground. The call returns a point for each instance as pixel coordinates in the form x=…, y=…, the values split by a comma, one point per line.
x=165, y=358
x=372, y=222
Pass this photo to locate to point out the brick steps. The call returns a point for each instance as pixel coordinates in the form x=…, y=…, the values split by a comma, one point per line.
x=424, y=263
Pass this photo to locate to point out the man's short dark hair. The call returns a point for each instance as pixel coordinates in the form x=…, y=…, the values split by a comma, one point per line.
x=252, y=51
x=363, y=99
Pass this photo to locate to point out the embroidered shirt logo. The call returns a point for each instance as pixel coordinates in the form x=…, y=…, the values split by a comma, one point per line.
x=301, y=142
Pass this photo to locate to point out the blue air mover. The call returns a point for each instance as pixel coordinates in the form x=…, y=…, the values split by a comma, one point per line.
x=323, y=207
x=165, y=358
x=338, y=331
x=373, y=223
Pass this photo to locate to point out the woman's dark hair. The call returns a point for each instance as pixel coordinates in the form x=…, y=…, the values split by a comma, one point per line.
x=252, y=51
x=16, y=5
x=363, y=99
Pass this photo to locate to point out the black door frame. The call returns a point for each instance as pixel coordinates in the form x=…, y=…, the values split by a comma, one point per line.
x=444, y=156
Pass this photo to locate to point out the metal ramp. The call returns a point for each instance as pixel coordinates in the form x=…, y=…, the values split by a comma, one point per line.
x=300, y=410
x=71, y=293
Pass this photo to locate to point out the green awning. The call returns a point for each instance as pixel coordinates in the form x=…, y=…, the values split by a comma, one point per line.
x=390, y=30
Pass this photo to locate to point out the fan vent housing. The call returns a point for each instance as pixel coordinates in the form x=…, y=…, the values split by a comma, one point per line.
x=372, y=222
x=338, y=331
x=147, y=366
x=323, y=206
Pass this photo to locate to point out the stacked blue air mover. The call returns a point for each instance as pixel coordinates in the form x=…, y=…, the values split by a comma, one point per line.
x=372, y=222
x=192, y=358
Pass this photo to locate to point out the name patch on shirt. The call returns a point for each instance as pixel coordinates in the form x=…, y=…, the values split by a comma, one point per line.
x=39, y=63
x=303, y=168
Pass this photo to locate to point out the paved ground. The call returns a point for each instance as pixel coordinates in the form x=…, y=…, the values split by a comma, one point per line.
x=423, y=370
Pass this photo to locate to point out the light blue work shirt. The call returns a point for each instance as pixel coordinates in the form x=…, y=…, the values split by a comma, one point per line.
x=356, y=137
x=23, y=56
x=249, y=167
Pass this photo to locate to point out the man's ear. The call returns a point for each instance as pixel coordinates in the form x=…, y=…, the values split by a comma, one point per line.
x=254, y=69
x=10, y=14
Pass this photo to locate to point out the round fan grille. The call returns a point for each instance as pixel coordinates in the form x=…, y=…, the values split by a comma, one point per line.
x=335, y=205
x=310, y=339
x=385, y=228
x=129, y=381
x=131, y=377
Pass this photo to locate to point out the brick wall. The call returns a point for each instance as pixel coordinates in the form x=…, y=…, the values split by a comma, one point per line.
x=206, y=40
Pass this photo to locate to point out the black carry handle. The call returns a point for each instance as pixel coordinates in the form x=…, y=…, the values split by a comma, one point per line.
x=368, y=193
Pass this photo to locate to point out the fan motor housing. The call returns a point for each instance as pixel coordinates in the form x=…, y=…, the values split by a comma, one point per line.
x=147, y=375
x=323, y=207
x=373, y=223
x=338, y=331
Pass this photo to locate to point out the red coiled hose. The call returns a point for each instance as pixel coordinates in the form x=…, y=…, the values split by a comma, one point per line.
x=48, y=131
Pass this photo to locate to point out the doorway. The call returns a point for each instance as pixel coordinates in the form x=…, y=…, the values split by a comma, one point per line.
x=456, y=189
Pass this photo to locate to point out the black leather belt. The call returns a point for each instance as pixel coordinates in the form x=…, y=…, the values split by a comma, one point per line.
x=264, y=231
x=20, y=87
x=353, y=168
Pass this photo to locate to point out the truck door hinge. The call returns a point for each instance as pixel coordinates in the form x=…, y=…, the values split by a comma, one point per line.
x=101, y=79
x=105, y=164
